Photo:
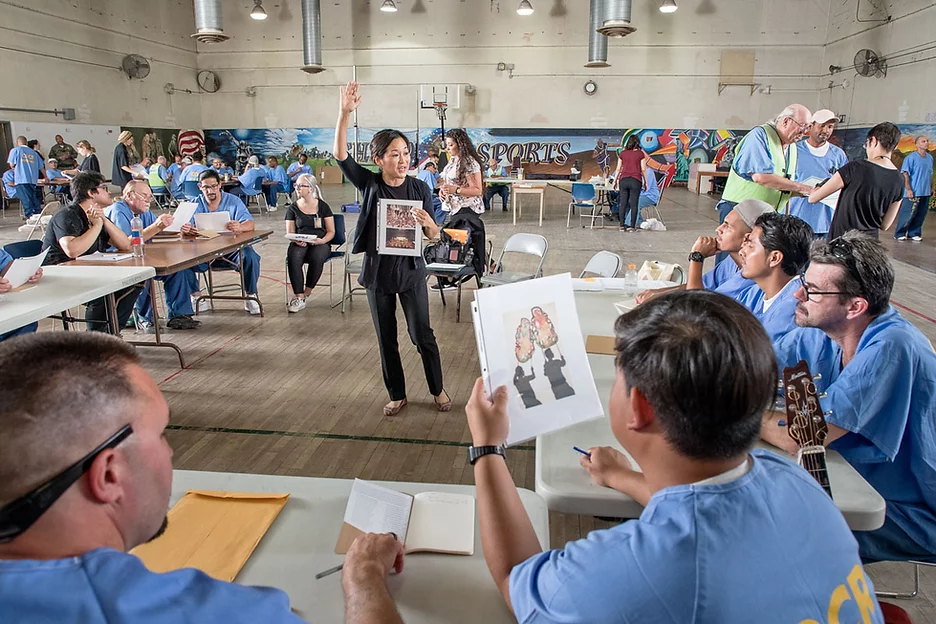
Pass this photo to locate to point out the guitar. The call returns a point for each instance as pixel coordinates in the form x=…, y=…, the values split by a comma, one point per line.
x=805, y=422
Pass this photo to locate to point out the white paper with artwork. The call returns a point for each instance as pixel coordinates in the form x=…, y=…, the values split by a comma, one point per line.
x=398, y=231
x=529, y=340
x=832, y=200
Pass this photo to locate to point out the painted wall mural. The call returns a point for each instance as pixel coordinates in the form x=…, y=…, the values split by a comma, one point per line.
x=155, y=142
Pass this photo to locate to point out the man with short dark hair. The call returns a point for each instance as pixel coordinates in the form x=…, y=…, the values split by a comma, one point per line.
x=299, y=167
x=695, y=371
x=82, y=228
x=773, y=256
x=64, y=153
x=213, y=199
x=64, y=539
x=276, y=182
x=27, y=167
x=879, y=372
x=817, y=159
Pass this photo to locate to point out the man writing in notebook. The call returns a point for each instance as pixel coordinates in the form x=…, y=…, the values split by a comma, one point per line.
x=81, y=487
x=695, y=371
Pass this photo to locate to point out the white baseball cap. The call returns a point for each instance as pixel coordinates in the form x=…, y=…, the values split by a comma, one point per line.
x=824, y=116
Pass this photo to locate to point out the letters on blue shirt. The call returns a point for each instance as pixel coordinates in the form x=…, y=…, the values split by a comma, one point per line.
x=701, y=553
x=230, y=203
x=920, y=170
x=754, y=155
x=192, y=172
x=105, y=585
x=27, y=164
x=886, y=398
x=818, y=215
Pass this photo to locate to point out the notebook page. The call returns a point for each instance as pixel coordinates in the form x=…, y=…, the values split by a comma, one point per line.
x=442, y=522
x=375, y=509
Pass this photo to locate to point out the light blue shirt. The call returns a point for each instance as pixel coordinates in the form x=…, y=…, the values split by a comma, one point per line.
x=9, y=184
x=51, y=174
x=104, y=586
x=224, y=170
x=808, y=165
x=300, y=168
x=230, y=203
x=27, y=163
x=5, y=259
x=279, y=176
x=726, y=279
x=428, y=177
x=175, y=185
x=768, y=547
x=192, y=172
x=754, y=155
x=780, y=318
x=249, y=178
x=886, y=397
x=121, y=215
x=653, y=190
x=920, y=170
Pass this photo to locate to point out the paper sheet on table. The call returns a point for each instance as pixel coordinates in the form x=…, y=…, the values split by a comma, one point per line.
x=212, y=531
x=99, y=256
x=832, y=200
x=181, y=216
x=213, y=221
x=22, y=269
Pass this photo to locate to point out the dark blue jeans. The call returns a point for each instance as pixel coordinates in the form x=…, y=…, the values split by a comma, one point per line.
x=910, y=218
x=30, y=196
x=496, y=189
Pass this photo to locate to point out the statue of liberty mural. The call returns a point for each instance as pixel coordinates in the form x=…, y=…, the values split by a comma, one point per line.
x=682, y=163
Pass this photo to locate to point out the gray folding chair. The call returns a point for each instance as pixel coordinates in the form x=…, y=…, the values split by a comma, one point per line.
x=531, y=244
x=353, y=265
x=603, y=263
x=916, y=583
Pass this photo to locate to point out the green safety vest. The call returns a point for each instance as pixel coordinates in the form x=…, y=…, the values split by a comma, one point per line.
x=738, y=189
x=154, y=179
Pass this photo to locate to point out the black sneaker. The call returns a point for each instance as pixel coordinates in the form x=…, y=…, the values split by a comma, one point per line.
x=183, y=322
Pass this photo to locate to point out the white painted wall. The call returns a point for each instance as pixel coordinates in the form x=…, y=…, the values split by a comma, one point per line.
x=56, y=53
x=908, y=93
x=664, y=75
x=102, y=138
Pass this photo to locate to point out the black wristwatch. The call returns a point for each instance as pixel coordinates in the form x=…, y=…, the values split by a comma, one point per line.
x=477, y=452
x=696, y=256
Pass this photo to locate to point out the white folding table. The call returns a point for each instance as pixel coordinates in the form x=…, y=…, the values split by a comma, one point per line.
x=301, y=542
x=567, y=488
x=64, y=287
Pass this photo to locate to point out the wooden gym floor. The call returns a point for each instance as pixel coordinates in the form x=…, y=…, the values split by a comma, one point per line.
x=300, y=394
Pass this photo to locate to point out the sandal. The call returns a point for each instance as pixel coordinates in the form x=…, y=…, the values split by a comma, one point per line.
x=390, y=410
x=443, y=407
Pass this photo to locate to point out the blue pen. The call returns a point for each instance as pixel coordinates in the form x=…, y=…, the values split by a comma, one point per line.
x=585, y=453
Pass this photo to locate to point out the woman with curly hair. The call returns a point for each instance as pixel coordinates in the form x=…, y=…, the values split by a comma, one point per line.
x=461, y=185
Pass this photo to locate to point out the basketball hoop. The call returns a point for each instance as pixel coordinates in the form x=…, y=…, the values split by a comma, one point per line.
x=440, y=103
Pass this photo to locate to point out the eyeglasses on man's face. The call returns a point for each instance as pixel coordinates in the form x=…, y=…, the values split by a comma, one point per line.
x=210, y=187
x=808, y=292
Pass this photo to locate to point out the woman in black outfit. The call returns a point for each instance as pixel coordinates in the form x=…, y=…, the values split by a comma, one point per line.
x=90, y=159
x=387, y=277
x=309, y=215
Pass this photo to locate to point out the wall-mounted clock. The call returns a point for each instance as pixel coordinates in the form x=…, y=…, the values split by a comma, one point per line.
x=590, y=87
x=208, y=81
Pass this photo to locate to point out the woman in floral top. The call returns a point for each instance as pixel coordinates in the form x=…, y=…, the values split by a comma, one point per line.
x=461, y=185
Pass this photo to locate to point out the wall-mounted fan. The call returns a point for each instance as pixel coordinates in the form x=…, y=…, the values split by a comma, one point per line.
x=868, y=63
x=135, y=66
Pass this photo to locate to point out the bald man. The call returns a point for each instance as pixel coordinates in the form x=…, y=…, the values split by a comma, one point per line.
x=764, y=165
x=87, y=475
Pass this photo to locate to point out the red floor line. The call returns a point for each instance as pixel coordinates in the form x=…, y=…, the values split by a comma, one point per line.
x=206, y=356
x=273, y=279
x=912, y=311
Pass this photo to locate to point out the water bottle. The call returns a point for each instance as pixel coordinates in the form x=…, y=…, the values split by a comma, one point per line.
x=136, y=236
x=630, y=279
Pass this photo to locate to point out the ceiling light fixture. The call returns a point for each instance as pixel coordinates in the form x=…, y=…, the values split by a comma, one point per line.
x=388, y=6
x=668, y=6
x=258, y=13
x=525, y=8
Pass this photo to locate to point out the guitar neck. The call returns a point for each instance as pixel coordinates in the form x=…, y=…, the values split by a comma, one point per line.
x=813, y=460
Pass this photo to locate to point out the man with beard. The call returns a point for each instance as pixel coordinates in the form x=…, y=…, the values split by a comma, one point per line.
x=726, y=277
x=87, y=476
x=819, y=159
x=879, y=372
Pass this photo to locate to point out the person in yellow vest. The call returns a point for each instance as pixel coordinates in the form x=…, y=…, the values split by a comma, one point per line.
x=156, y=175
x=764, y=166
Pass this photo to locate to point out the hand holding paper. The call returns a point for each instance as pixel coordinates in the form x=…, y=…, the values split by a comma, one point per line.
x=487, y=417
x=181, y=216
x=23, y=270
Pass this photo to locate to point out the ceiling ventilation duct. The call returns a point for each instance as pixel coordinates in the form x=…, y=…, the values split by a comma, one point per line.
x=617, y=16
x=312, y=37
x=208, y=22
x=597, y=43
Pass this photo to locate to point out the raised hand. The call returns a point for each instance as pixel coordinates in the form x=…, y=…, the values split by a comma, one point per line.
x=349, y=98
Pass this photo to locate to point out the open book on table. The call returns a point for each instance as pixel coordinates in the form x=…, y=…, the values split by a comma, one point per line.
x=437, y=522
x=530, y=341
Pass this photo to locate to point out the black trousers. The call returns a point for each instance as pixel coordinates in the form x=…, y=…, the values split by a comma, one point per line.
x=630, y=195
x=415, y=305
x=96, y=311
x=296, y=256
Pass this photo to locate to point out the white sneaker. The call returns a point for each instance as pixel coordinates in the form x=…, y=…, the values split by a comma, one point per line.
x=296, y=304
x=917, y=238
x=252, y=306
x=200, y=306
x=271, y=208
x=902, y=238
